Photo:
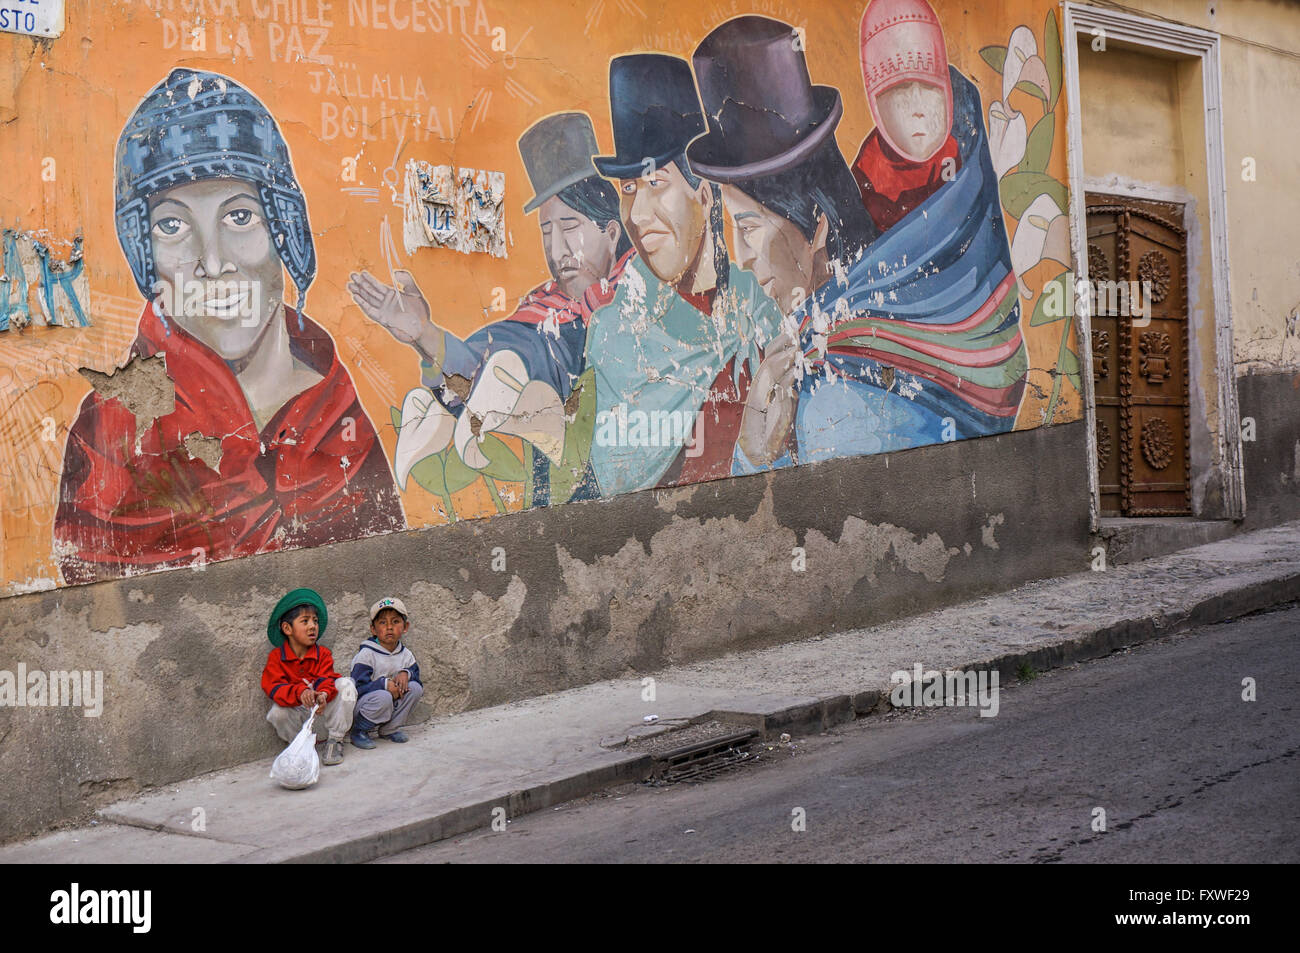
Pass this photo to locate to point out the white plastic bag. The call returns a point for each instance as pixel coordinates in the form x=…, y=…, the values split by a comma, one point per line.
x=298, y=765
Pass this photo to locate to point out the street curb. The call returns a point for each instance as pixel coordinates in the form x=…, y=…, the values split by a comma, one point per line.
x=832, y=710
x=816, y=715
x=442, y=825
x=1099, y=643
x=806, y=716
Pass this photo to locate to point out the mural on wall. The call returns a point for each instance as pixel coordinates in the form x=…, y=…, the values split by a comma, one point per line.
x=800, y=246
x=210, y=217
x=511, y=376
x=922, y=335
x=675, y=349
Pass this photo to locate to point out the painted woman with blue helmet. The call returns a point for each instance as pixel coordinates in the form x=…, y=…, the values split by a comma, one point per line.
x=267, y=446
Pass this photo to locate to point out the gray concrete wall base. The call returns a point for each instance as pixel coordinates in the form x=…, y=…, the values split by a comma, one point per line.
x=1270, y=411
x=1130, y=540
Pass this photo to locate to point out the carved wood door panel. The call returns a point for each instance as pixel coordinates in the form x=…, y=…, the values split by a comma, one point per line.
x=1137, y=262
x=1103, y=256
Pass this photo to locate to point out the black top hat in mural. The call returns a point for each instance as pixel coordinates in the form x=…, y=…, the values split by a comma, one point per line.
x=557, y=153
x=764, y=113
x=655, y=112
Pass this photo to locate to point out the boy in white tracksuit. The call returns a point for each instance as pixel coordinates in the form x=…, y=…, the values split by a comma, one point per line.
x=386, y=676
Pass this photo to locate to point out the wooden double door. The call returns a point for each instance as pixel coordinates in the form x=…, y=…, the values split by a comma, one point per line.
x=1137, y=265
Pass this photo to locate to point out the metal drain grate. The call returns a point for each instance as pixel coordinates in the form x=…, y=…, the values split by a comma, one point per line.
x=702, y=760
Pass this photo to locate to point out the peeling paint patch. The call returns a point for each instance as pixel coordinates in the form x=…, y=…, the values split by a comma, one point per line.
x=142, y=386
x=42, y=584
x=465, y=636
x=207, y=449
x=926, y=556
x=458, y=385
x=990, y=525
x=615, y=603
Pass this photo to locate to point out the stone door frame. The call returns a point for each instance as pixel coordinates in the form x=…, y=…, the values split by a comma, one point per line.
x=1184, y=42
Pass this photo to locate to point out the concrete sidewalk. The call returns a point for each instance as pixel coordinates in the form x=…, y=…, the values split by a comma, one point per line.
x=529, y=755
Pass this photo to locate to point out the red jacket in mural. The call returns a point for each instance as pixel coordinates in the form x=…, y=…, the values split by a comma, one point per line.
x=893, y=185
x=131, y=500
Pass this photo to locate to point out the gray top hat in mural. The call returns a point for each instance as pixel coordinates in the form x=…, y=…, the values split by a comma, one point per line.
x=764, y=113
x=557, y=153
x=655, y=112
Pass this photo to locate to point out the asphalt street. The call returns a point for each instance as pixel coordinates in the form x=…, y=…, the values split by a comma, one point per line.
x=1159, y=737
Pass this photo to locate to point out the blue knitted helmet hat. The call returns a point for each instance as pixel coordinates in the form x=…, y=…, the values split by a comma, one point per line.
x=197, y=125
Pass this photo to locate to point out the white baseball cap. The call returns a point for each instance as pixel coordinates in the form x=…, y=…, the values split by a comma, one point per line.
x=388, y=603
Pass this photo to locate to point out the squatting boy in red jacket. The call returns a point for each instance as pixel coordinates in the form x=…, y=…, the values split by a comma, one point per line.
x=299, y=673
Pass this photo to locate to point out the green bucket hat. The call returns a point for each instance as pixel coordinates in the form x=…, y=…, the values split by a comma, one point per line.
x=299, y=597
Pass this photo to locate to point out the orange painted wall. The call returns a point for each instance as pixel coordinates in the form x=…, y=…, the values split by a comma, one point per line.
x=345, y=81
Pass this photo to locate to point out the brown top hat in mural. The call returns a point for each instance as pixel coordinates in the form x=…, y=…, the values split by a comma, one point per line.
x=764, y=113
x=557, y=153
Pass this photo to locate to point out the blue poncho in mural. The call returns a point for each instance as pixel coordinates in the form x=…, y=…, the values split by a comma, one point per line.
x=919, y=342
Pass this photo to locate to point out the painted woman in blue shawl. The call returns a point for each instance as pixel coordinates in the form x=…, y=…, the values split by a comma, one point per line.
x=919, y=342
x=797, y=216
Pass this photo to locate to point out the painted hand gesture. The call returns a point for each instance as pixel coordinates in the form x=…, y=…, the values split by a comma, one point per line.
x=771, y=404
x=403, y=311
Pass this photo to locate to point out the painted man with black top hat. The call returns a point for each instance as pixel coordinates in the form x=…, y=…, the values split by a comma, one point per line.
x=210, y=217
x=686, y=329
x=542, y=342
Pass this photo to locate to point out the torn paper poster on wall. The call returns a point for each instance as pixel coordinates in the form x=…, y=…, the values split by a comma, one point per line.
x=430, y=220
x=480, y=201
x=38, y=285
x=461, y=209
